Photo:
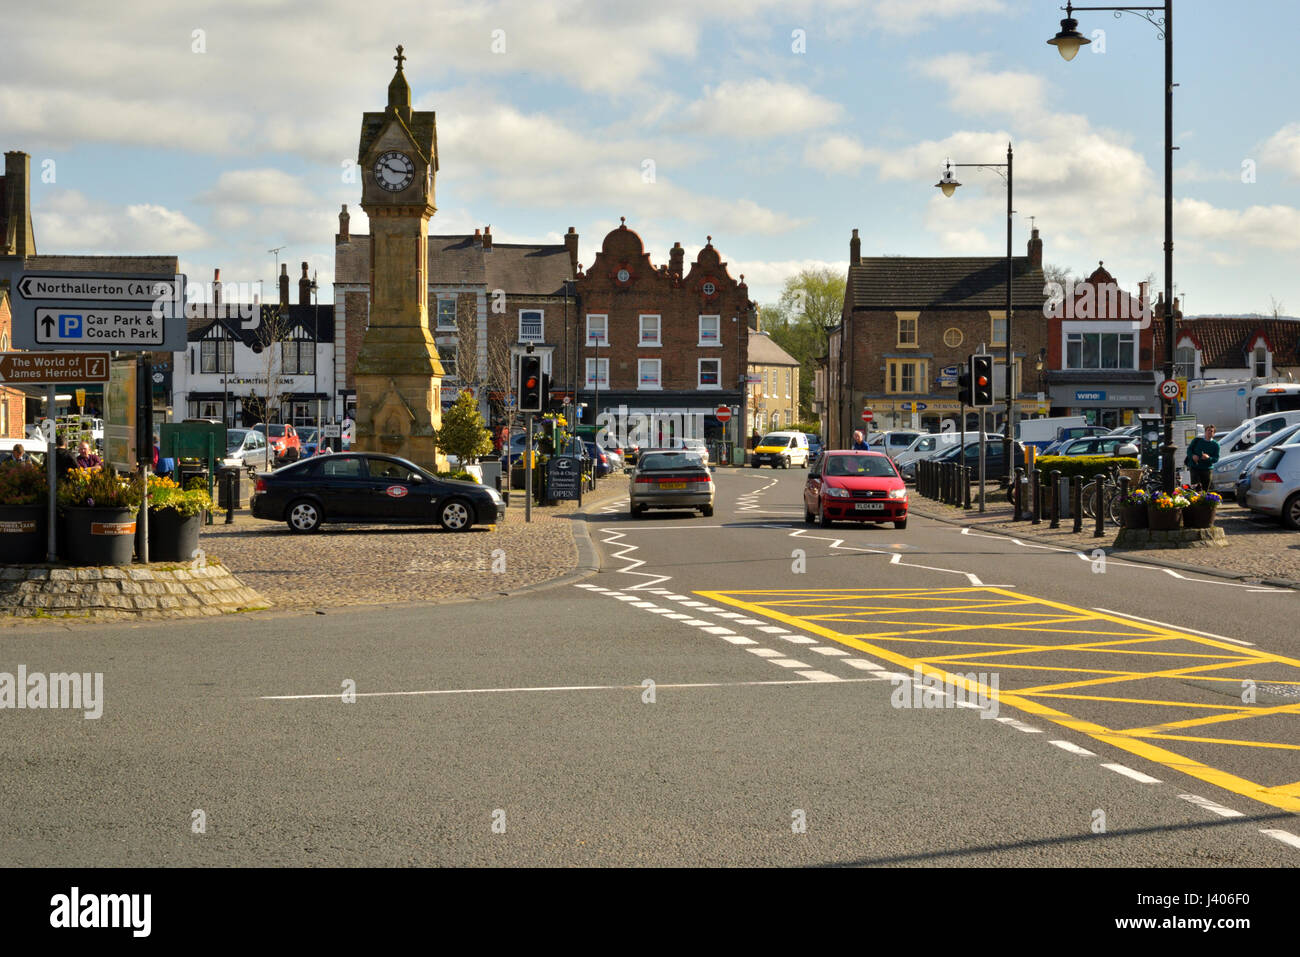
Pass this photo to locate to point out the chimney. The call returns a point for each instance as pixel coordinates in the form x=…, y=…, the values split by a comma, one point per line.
x=676, y=257
x=18, y=239
x=487, y=239
x=284, y=285
x=342, y=235
x=216, y=292
x=855, y=250
x=304, y=287
x=571, y=244
x=1035, y=250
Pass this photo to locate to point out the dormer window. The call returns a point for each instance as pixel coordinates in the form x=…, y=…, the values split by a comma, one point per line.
x=1187, y=360
x=1260, y=361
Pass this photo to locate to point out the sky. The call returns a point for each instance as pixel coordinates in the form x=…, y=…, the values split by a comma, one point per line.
x=217, y=132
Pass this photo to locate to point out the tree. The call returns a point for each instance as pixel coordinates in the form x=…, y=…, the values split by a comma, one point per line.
x=1276, y=308
x=497, y=373
x=463, y=433
x=269, y=338
x=800, y=322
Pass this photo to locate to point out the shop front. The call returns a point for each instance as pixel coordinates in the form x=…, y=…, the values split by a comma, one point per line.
x=1111, y=403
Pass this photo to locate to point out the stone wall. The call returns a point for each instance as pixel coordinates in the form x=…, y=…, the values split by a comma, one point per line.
x=123, y=592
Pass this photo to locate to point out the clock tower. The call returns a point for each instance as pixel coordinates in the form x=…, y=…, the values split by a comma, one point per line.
x=398, y=374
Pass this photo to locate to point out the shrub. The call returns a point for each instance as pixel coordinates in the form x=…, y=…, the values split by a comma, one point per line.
x=22, y=483
x=463, y=433
x=100, y=487
x=460, y=475
x=164, y=493
x=1089, y=466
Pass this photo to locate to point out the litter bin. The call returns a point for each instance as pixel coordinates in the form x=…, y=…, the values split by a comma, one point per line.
x=230, y=487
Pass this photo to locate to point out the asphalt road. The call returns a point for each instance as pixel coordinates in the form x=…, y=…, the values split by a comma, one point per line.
x=739, y=690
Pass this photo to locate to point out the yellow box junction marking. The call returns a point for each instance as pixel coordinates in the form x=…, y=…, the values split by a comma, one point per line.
x=885, y=622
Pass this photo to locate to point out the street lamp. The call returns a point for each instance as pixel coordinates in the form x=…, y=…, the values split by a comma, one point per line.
x=948, y=185
x=1067, y=43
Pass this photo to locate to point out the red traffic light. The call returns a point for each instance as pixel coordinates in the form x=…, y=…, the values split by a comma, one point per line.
x=982, y=381
x=531, y=382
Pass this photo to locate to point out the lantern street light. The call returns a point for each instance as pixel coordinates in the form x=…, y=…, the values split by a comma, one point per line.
x=1067, y=42
x=948, y=184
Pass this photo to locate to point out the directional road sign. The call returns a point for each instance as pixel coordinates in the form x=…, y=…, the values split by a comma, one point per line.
x=53, y=368
x=85, y=311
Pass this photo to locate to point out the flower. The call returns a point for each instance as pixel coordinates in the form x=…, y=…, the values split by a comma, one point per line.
x=1165, y=502
x=1137, y=496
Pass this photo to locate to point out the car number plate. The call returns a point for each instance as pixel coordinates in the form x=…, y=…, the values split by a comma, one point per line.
x=870, y=506
x=672, y=485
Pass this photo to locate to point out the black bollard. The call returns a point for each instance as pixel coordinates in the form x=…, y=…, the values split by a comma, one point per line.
x=1076, y=502
x=1018, y=494
x=1036, y=487
x=228, y=477
x=965, y=484
x=1055, y=478
x=1099, y=482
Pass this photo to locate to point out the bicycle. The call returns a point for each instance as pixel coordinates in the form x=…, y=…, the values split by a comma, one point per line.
x=1110, y=490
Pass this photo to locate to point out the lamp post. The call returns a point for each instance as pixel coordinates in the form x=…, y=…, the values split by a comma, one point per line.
x=1067, y=43
x=948, y=185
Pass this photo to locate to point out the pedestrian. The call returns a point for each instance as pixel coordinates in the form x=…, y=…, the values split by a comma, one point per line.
x=19, y=454
x=1201, y=456
x=87, y=459
x=859, y=441
x=753, y=439
x=157, y=455
x=63, y=460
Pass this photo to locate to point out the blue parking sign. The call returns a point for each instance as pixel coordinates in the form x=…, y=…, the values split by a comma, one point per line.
x=70, y=325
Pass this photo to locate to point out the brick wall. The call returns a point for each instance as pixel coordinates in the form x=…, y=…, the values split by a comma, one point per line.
x=13, y=416
x=357, y=309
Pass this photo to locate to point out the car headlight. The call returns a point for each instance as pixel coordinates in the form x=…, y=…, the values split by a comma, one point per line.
x=835, y=492
x=1224, y=467
x=898, y=493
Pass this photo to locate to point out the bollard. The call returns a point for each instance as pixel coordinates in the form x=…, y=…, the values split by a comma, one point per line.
x=228, y=478
x=1054, y=477
x=1076, y=502
x=1099, y=482
x=965, y=484
x=1036, y=488
x=1018, y=494
x=948, y=483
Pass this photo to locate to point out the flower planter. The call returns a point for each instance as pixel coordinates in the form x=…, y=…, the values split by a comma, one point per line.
x=22, y=534
x=173, y=536
x=99, y=536
x=1134, y=516
x=1199, y=515
x=1164, y=519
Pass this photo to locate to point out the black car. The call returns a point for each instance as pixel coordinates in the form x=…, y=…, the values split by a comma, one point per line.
x=994, y=463
x=359, y=487
x=599, y=459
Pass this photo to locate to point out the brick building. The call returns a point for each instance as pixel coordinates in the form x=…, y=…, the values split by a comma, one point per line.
x=1100, y=350
x=1224, y=347
x=661, y=340
x=908, y=321
x=487, y=302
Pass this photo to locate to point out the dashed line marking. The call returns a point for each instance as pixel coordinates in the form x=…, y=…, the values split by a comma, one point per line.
x=1286, y=837
x=862, y=664
x=1130, y=773
x=1019, y=725
x=1209, y=805
x=797, y=639
x=773, y=629
x=788, y=663
x=832, y=652
x=819, y=676
x=738, y=639
x=717, y=630
x=764, y=652
x=1074, y=748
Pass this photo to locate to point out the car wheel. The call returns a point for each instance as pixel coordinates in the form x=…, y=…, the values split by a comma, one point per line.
x=822, y=520
x=304, y=516
x=1291, y=512
x=707, y=511
x=901, y=525
x=808, y=517
x=456, y=516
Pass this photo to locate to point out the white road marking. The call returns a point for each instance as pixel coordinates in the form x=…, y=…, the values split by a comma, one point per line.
x=676, y=615
x=862, y=664
x=1286, y=837
x=1209, y=805
x=1164, y=624
x=897, y=559
x=826, y=650
x=1073, y=748
x=335, y=696
x=764, y=652
x=773, y=629
x=644, y=604
x=798, y=639
x=1130, y=773
x=819, y=676
x=697, y=622
x=729, y=614
x=612, y=539
x=717, y=630
x=738, y=639
x=1020, y=726
x=788, y=663
x=748, y=621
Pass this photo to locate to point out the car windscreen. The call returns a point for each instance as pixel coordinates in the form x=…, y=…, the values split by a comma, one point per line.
x=860, y=465
x=781, y=440
x=665, y=461
x=235, y=438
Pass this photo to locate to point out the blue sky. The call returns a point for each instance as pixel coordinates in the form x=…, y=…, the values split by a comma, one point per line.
x=221, y=144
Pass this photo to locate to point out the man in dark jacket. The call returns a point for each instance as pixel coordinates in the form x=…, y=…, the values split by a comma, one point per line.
x=63, y=460
x=1201, y=456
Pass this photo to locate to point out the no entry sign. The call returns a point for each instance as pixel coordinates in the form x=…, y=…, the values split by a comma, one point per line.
x=867, y=415
x=722, y=414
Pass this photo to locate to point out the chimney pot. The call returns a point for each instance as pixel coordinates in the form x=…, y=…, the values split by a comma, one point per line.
x=487, y=239
x=342, y=236
x=855, y=249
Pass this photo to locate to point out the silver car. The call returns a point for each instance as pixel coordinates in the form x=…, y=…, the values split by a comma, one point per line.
x=670, y=478
x=1275, y=485
x=1230, y=468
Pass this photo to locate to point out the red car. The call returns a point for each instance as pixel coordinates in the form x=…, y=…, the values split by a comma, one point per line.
x=849, y=486
x=284, y=441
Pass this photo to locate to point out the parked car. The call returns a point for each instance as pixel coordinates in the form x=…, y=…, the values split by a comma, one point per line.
x=670, y=478
x=893, y=441
x=283, y=440
x=781, y=450
x=1275, y=485
x=698, y=447
x=600, y=459
x=309, y=436
x=845, y=485
x=1253, y=431
x=363, y=487
x=815, y=447
x=1228, y=470
x=994, y=463
x=1095, y=445
x=927, y=446
x=248, y=448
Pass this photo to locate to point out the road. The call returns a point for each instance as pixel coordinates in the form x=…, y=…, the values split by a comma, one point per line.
x=739, y=690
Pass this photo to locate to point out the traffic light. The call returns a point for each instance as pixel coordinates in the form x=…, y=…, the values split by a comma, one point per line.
x=981, y=376
x=548, y=404
x=963, y=385
x=530, y=383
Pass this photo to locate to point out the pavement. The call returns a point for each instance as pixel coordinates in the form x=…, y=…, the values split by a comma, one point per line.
x=740, y=690
x=1260, y=549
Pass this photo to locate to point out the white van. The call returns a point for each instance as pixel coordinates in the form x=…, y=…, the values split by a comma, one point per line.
x=781, y=450
x=929, y=445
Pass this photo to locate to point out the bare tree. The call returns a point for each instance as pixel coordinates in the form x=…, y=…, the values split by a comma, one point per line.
x=1276, y=307
x=269, y=341
x=497, y=374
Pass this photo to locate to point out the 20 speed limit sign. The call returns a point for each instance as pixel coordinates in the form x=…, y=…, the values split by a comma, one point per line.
x=1169, y=389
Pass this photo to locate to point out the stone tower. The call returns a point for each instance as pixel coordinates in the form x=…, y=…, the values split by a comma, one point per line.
x=398, y=374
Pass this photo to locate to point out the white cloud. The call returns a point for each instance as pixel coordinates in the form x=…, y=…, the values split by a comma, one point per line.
x=759, y=108
x=1271, y=227
x=68, y=222
x=267, y=187
x=837, y=154
x=910, y=16
x=1282, y=151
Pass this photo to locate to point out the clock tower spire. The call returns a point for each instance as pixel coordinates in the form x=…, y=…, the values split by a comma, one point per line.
x=398, y=373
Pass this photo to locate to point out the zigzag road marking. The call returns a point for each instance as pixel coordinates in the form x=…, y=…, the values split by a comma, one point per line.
x=633, y=563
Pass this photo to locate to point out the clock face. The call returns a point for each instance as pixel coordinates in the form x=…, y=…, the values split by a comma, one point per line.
x=394, y=171
x=624, y=275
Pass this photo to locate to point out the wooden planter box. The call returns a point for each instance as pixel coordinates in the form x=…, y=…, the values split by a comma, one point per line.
x=1134, y=516
x=1164, y=519
x=1199, y=515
